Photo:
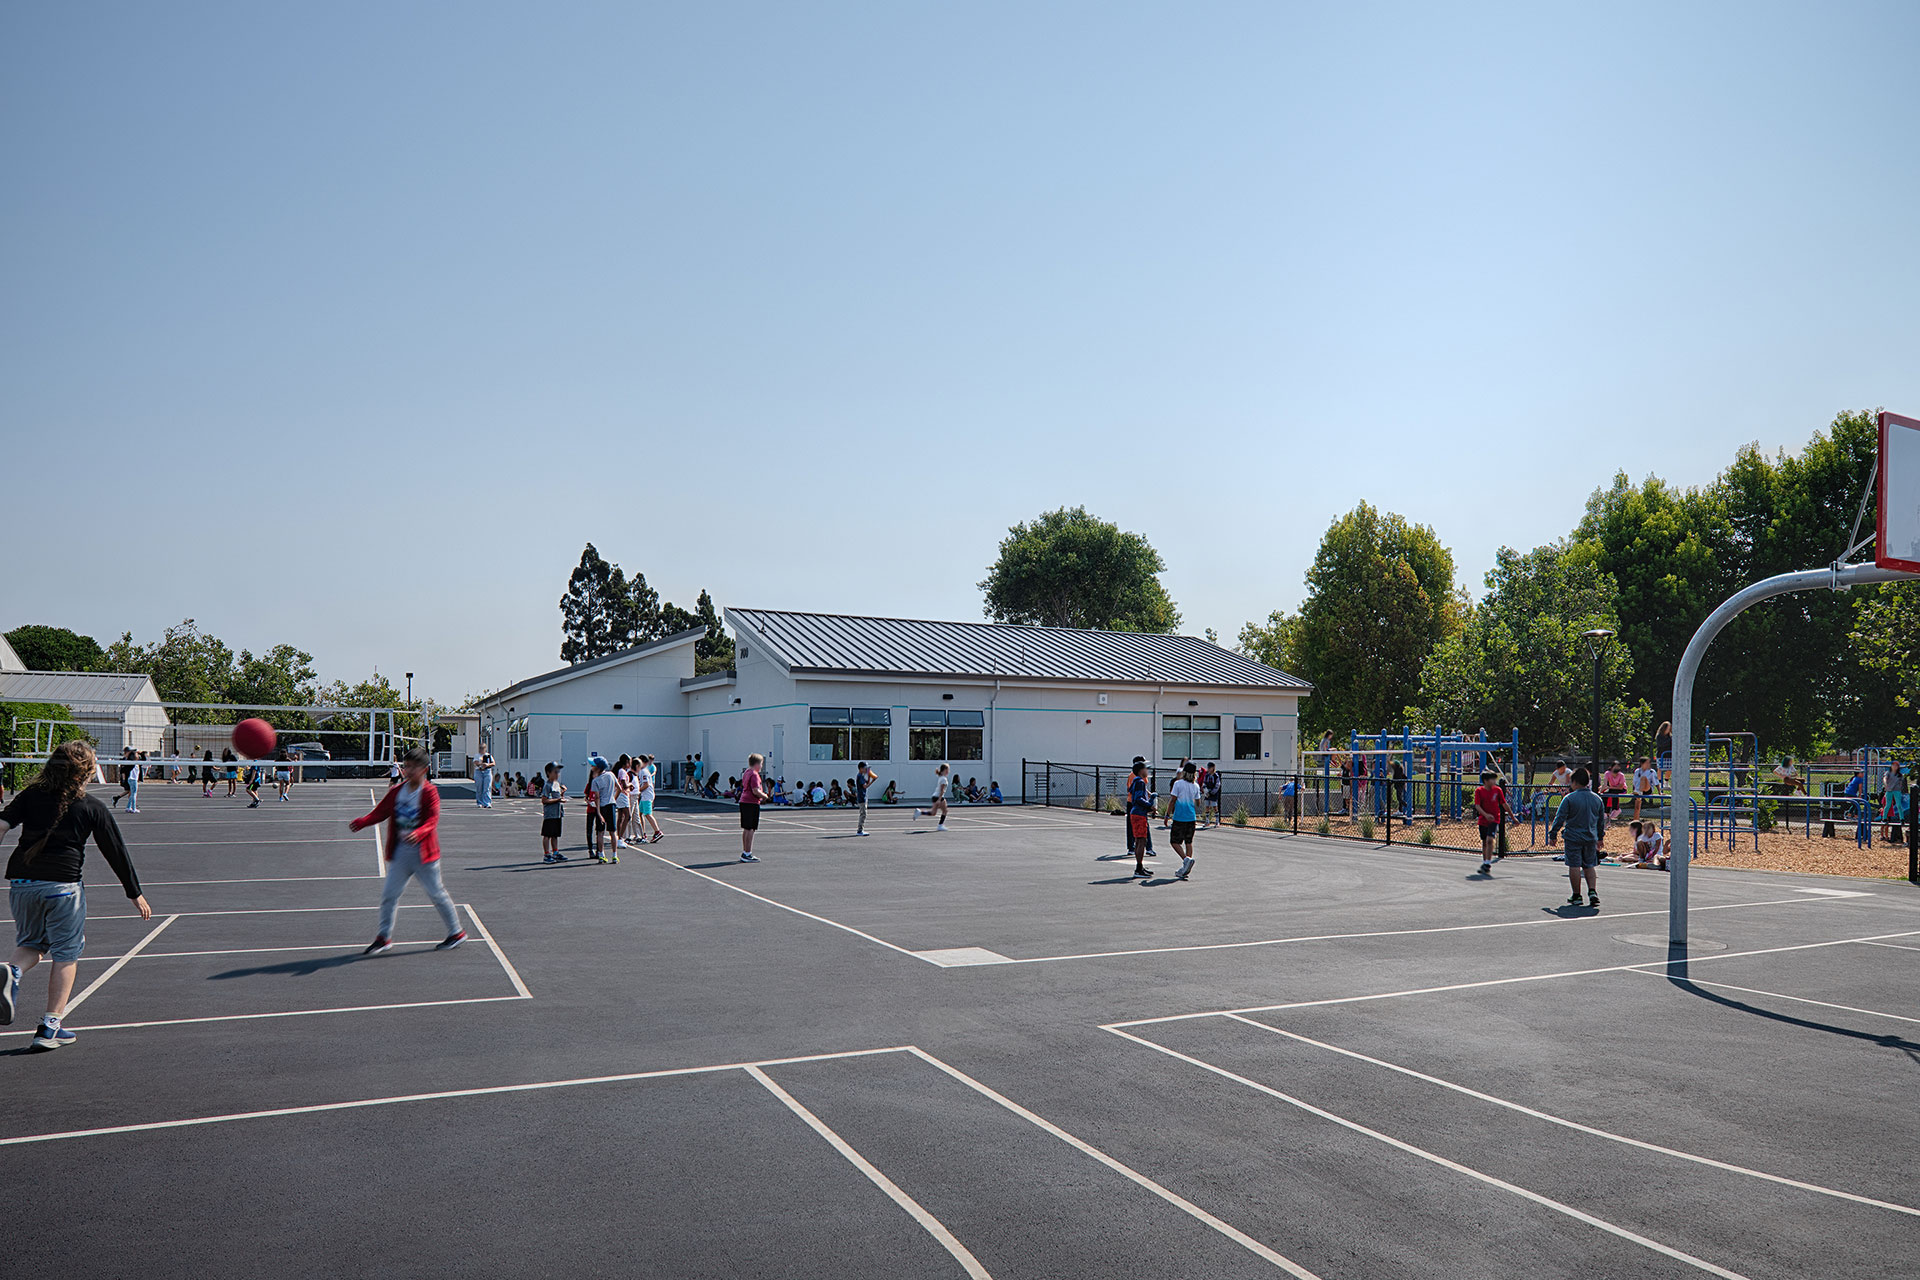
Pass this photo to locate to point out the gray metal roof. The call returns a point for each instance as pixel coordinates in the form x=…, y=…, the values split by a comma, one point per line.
x=835, y=644
x=593, y=664
x=92, y=690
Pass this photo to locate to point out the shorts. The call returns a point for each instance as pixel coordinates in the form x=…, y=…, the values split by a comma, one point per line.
x=1488, y=830
x=1183, y=832
x=283, y=775
x=49, y=916
x=1582, y=855
x=644, y=806
x=749, y=817
x=1137, y=826
x=606, y=816
x=550, y=828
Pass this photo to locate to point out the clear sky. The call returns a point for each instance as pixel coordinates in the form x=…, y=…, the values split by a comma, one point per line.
x=349, y=325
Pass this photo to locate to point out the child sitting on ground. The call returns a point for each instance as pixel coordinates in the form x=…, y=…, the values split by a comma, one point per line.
x=1649, y=847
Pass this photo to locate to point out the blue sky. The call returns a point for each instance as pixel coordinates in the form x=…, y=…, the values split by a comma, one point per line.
x=349, y=326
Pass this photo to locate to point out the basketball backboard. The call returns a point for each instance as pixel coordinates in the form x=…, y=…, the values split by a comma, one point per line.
x=1897, y=541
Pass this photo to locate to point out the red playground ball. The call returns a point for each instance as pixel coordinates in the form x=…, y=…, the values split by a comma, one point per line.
x=254, y=739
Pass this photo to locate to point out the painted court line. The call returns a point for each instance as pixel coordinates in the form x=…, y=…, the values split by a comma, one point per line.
x=442, y=1095
x=1582, y=1128
x=287, y=1013
x=231, y=951
x=119, y=964
x=1500, y=982
x=249, y=880
x=285, y=911
x=1134, y=1176
x=928, y=1223
x=845, y=928
x=1895, y=945
x=512, y=973
x=1578, y=1215
x=1401, y=933
x=1780, y=995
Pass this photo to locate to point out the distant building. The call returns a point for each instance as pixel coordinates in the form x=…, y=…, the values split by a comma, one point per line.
x=816, y=692
x=115, y=710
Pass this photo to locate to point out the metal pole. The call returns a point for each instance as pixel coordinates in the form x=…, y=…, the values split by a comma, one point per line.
x=1680, y=819
x=1593, y=778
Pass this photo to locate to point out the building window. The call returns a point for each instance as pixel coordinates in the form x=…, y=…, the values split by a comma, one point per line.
x=1246, y=737
x=517, y=739
x=1190, y=737
x=946, y=735
x=848, y=733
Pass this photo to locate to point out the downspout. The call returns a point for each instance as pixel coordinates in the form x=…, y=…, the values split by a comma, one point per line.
x=1153, y=731
x=990, y=705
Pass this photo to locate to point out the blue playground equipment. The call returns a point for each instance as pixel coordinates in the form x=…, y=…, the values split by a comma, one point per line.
x=1438, y=771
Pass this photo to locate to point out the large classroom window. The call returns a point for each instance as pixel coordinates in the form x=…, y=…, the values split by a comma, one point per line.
x=1246, y=737
x=946, y=735
x=517, y=739
x=849, y=733
x=1190, y=737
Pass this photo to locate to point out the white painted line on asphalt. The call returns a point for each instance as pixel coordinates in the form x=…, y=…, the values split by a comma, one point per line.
x=1895, y=945
x=288, y=1013
x=1501, y=982
x=928, y=1223
x=239, y=951
x=316, y=1108
x=846, y=928
x=1583, y=1128
x=1778, y=995
x=962, y=957
x=1400, y=933
x=1132, y=1175
x=1578, y=1215
x=118, y=964
x=287, y=911
x=498, y=954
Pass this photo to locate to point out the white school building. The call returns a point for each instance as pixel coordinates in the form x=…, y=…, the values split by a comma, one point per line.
x=815, y=693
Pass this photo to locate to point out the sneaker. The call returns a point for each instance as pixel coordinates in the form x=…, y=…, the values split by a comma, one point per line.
x=599, y=859
x=452, y=940
x=1186, y=865
x=863, y=833
x=51, y=1035
x=1574, y=901
x=254, y=805
x=548, y=857
x=561, y=857
x=378, y=947
x=747, y=857
x=1142, y=871
x=658, y=836
x=9, y=994
x=940, y=826
x=1593, y=899
x=1486, y=868
x=614, y=860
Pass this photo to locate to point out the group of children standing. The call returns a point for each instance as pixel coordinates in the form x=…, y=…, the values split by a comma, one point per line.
x=619, y=800
x=1184, y=816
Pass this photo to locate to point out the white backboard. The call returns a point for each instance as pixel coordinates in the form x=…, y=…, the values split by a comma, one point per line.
x=1897, y=544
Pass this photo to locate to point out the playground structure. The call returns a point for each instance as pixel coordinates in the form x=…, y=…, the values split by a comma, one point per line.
x=1438, y=771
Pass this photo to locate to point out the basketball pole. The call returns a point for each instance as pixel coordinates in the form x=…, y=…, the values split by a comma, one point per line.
x=1680, y=823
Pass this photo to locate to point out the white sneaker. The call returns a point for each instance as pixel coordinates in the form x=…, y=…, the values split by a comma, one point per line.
x=940, y=826
x=1186, y=867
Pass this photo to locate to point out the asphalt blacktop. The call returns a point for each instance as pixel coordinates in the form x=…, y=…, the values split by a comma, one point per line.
x=988, y=1051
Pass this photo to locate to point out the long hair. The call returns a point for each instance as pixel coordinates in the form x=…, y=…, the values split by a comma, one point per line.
x=65, y=776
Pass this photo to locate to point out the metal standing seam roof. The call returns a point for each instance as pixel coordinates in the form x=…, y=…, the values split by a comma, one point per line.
x=828, y=643
x=592, y=664
x=88, y=689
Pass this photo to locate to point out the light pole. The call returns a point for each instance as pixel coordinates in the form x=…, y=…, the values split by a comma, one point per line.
x=1597, y=640
x=409, y=688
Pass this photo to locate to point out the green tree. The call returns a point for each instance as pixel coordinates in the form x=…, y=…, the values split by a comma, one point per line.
x=714, y=652
x=1380, y=595
x=56, y=649
x=1275, y=642
x=597, y=612
x=643, y=610
x=1068, y=568
x=1519, y=660
x=1887, y=634
x=186, y=665
x=19, y=735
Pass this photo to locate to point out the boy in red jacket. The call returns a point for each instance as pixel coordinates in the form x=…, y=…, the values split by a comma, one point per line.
x=411, y=810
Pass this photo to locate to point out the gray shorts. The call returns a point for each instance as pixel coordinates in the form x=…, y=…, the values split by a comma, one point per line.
x=49, y=916
x=1582, y=855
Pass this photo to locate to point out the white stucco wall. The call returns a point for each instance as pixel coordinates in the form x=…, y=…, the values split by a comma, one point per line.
x=579, y=713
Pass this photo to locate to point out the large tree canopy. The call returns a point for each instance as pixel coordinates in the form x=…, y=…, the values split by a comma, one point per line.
x=56, y=649
x=1069, y=568
x=1380, y=595
x=604, y=612
x=1519, y=661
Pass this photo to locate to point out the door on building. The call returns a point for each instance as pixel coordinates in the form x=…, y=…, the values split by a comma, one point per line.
x=777, y=757
x=573, y=759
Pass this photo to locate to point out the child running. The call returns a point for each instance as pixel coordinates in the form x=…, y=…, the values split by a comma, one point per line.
x=412, y=848
x=282, y=774
x=553, y=813
x=56, y=818
x=1490, y=811
x=939, y=807
x=1186, y=812
x=752, y=792
x=253, y=785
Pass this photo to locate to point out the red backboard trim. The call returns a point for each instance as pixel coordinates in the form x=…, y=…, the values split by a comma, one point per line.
x=1888, y=423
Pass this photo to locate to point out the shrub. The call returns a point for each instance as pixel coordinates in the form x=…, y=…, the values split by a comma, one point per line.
x=1426, y=835
x=1323, y=827
x=1767, y=813
x=1115, y=807
x=1366, y=827
x=1239, y=816
x=1086, y=802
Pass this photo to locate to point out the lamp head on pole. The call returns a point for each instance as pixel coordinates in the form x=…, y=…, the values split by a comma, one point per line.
x=1596, y=639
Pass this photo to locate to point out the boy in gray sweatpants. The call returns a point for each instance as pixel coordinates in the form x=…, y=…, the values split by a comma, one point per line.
x=1583, y=816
